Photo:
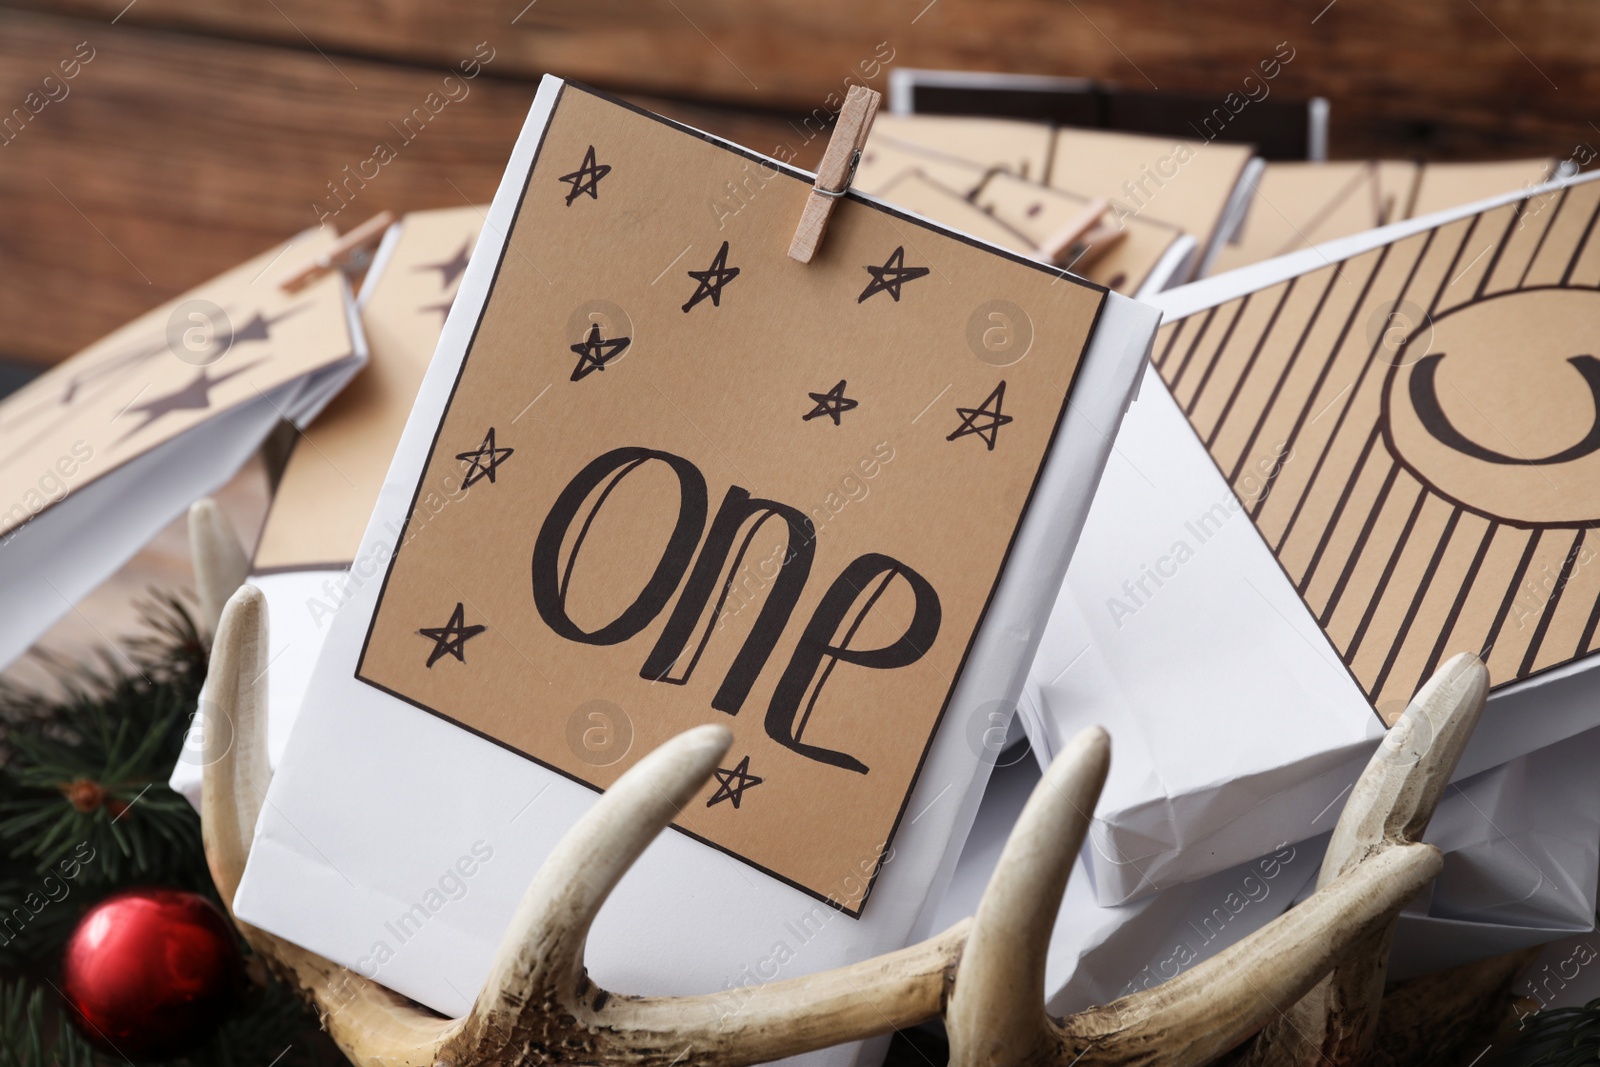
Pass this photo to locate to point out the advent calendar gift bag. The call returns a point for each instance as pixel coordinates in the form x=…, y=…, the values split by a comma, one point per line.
x=101, y=451
x=659, y=474
x=1346, y=465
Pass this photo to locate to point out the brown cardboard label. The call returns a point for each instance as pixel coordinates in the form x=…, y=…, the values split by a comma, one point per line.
x=1297, y=205
x=226, y=343
x=1021, y=148
x=706, y=483
x=1182, y=183
x=1416, y=434
x=1175, y=184
x=1446, y=185
x=331, y=482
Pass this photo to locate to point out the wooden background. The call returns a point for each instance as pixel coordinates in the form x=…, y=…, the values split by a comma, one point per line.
x=205, y=130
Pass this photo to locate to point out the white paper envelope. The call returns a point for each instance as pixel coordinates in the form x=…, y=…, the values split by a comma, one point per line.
x=1321, y=457
x=379, y=807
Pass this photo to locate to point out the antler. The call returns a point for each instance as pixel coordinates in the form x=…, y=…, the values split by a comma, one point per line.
x=996, y=1016
x=1388, y=809
x=220, y=564
x=538, y=1004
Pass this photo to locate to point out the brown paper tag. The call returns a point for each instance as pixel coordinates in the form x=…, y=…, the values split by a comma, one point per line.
x=226, y=343
x=1416, y=433
x=331, y=482
x=1447, y=185
x=1020, y=148
x=684, y=479
x=1297, y=205
x=1181, y=183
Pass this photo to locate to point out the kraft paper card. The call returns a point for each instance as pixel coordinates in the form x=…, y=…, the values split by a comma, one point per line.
x=1020, y=148
x=659, y=474
x=1016, y=213
x=915, y=191
x=1447, y=185
x=886, y=160
x=1190, y=184
x=1297, y=205
x=328, y=488
x=634, y=476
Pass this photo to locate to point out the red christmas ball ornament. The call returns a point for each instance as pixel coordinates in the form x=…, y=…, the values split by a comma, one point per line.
x=150, y=973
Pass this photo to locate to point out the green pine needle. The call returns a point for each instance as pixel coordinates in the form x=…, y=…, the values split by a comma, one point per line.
x=1558, y=1037
x=109, y=739
x=32, y=1036
x=110, y=742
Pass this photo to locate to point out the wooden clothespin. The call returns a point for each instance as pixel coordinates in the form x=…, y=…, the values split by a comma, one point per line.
x=838, y=169
x=1084, y=239
x=347, y=251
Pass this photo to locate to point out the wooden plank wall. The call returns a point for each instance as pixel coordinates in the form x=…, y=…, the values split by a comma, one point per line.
x=203, y=130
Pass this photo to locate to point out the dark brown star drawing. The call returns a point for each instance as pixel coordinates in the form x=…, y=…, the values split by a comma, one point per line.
x=483, y=461
x=832, y=404
x=586, y=179
x=196, y=396
x=450, y=269
x=891, y=276
x=594, y=352
x=732, y=784
x=450, y=639
x=989, y=410
x=712, y=279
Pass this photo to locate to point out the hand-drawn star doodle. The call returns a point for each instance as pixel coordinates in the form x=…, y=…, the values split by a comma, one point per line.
x=483, y=461
x=594, y=352
x=712, y=279
x=196, y=396
x=449, y=639
x=833, y=403
x=990, y=410
x=586, y=179
x=732, y=784
x=450, y=269
x=889, y=277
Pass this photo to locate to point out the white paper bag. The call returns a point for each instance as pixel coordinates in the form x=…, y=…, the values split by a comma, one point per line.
x=1179, y=628
x=380, y=810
